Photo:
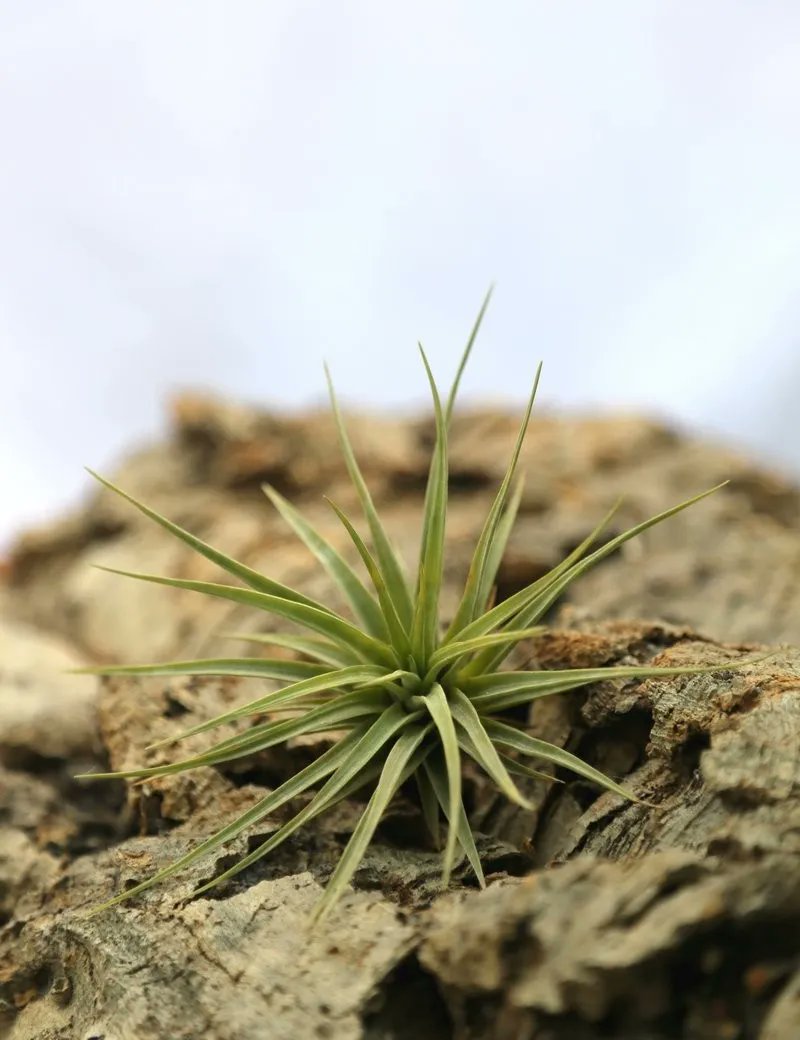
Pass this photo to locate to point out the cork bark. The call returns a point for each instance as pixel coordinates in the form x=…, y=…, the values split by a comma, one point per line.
x=679, y=918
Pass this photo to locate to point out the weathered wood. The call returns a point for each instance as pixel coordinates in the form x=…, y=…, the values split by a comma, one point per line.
x=729, y=568
x=676, y=919
x=644, y=920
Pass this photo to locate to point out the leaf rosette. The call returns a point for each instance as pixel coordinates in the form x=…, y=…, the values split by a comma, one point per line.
x=404, y=693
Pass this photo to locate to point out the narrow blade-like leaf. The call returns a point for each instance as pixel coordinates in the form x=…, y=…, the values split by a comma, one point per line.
x=430, y=806
x=354, y=770
x=508, y=637
x=488, y=660
x=391, y=777
x=246, y=574
x=543, y=592
x=364, y=606
x=508, y=736
x=436, y=704
x=470, y=601
x=327, y=624
x=257, y=667
x=494, y=556
x=340, y=678
x=389, y=562
x=426, y=613
x=433, y=768
x=520, y=769
x=334, y=715
x=322, y=650
x=451, y=397
x=502, y=690
x=479, y=746
x=295, y=785
x=451, y=400
x=539, y=606
x=398, y=636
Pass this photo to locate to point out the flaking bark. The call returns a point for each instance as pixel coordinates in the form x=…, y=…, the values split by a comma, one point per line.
x=602, y=918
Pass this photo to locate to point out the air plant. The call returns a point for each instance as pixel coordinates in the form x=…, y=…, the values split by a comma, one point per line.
x=403, y=692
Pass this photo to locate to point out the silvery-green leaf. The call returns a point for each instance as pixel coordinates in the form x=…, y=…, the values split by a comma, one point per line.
x=470, y=601
x=334, y=715
x=364, y=606
x=451, y=397
x=252, y=667
x=520, y=769
x=491, y=693
x=295, y=785
x=388, y=559
x=393, y=626
x=316, y=647
x=436, y=703
x=508, y=736
x=433, y=768
x=430, y=806
x=240, y=570
x=426, y=611
x=494, y=556
x=349, y=776
x=529, y=604
x=476, y=742
x=507, y=637
x=295, y=693
x=327, y=624
x=391, y=777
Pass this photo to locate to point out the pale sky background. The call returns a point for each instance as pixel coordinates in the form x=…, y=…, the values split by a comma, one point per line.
x=223, y=194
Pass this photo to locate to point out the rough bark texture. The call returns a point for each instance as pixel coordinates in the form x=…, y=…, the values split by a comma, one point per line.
x=602, y=918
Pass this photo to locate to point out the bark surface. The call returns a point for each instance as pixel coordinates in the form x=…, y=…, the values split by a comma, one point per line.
x=679, y=918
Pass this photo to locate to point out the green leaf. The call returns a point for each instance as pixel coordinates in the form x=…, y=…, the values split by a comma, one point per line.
x=389, y=562
x=508, y=736
x=335, y=628
x=435, y=772
x=490, y=693
x=391, y=621
x=478, y=745
x=258, y=667
x=541, y=603
x=528, y=605
x=489, y=659
x=364, y=606
x=291, y=788
x=451, y=397
x=518, y=768
x=313, y=809
x=615, y=543
x=451, y=400
x=512, y=607
x=335, y=715
x=426, y=614
x=452, y=651
x=497, y=548
x=436, y=703
x=297, y=691
x=391, y=777
x=354, y=771
x=430, y=805
x=470, y=601
x=312, y=646
x=252, y=578
x=391, y=681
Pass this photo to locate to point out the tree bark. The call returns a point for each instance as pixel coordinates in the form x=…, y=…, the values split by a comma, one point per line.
x=602, y=918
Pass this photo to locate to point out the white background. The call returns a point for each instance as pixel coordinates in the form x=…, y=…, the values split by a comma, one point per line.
x=222, y=194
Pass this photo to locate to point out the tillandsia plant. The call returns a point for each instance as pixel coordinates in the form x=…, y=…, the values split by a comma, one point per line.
x=403, y=692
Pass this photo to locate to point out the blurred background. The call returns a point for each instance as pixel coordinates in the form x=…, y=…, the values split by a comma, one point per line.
x=220, y=195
